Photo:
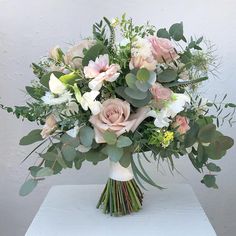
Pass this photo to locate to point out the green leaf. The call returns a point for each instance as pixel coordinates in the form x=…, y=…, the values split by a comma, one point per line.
x=135, y=94
x=28, y=187
x=130, y=80
x=95, y=156
x=31, y=137
x=45, y=171
x=226, y=142
x=86, y=135
x=93, y=53
x=69, y=78
x=191, y=135
x=163, y=33
x=114, y=153
x=133, y=102
x=110, y=137
x=207, y=133
x=167, y=76
x=34, y=169
x=68, y=152
x=143, y=74
x=176, y=31
x=142, y=86
x=123, y=141
x=213, y=167
x=50, y=156
x=126, y=159
x=209, y=181
x=68, y=140
x=34, y=92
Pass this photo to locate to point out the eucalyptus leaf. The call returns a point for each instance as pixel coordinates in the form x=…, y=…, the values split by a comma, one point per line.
x=110, y=137
x=209, y=181
x=28, y=187
x=114, y=153
x=32, y=137
x=176, y=31
x=86, y=135
x=135, y=94
x=45, y=171
x=213, y=167
x=167, y=76
x=130, y=80
x=126, y=159
x=143, y=74
x=123, y=141
x=68, y=152
x=207, y=133
x=163, y=33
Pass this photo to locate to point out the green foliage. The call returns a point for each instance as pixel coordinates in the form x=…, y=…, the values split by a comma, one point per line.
x=46, y=77
x=209, y=181
x=28, y=187
x=45, y=171
x=163, y=33
x=110, y=137
x=176, y=32
x=123, y=141
x=213, y=167
x=32, y=137
x=167, y=76
x=93, y=53
x=68, y=152
x=113, y=152
x=86, y=135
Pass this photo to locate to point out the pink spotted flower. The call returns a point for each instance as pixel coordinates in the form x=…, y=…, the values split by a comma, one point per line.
x=100, y=71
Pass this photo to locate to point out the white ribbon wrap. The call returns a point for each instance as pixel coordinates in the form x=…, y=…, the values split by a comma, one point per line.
x=119, y=173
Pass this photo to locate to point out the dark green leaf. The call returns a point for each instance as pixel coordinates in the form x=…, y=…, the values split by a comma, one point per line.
x=135, y=94
x=209, y=181
x=167, y=75
x=213, y=167
x=207, y=133
x=163, y=33
x=176, y=31
x=191, y=136
x=31, y=137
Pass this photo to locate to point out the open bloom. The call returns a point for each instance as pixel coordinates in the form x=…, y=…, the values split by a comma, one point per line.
x=162, y=49
x=49, y=127
x=115, y=116
x=75, y=54
x=100, y=71
x=141, y=55
x=182, y=123
x=162, y=116
x=160, y=93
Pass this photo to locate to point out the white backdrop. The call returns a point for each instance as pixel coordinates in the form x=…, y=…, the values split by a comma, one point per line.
x=29, y=28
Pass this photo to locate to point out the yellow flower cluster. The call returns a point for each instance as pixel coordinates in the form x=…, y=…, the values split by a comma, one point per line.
x=168, y=137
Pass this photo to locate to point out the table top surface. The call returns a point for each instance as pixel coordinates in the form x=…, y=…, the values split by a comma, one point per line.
x=70, y=210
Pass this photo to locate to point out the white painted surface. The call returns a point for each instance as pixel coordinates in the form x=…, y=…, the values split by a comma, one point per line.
x=29, y=28
x=70, y=210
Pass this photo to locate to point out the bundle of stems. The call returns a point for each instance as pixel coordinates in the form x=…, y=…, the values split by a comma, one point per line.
x=120, y=197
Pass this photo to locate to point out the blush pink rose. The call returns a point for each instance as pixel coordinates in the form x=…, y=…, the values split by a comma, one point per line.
x=160, y=93
x=182, y=123
x=115, y=116
x=162, y=49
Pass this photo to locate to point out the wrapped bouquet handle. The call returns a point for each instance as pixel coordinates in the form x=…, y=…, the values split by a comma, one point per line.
x=121, y=194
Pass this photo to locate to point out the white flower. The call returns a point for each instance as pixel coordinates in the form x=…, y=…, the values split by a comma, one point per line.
x=162, y=117
x=141, y=47
x=88, y=101
x=50, y=99
x=56, y=86
x=71, y=107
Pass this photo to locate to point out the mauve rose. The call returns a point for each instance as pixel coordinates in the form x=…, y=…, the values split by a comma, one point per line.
x=115, y=116
x=77, y=51
x=182, y=123
x=49, y=127
x=162, y=49
x=160, y=93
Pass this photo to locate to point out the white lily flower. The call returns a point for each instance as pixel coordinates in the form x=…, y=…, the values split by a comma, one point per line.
x=56, y=86
x=88, y=101
x=162, y=117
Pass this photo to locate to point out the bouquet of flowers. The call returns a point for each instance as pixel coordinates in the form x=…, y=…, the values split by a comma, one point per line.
x=105, y=98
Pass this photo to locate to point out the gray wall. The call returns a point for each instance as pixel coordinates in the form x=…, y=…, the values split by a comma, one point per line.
x=29, y=28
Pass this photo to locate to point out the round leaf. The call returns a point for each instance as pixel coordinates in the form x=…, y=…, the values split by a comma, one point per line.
x=123, y=141
x=46, y=171
x=86, y=135
x=167, y=75
x=135, y=94
x=110, y=137
x=68, y=152
x=207, y=133
x=143, y=74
